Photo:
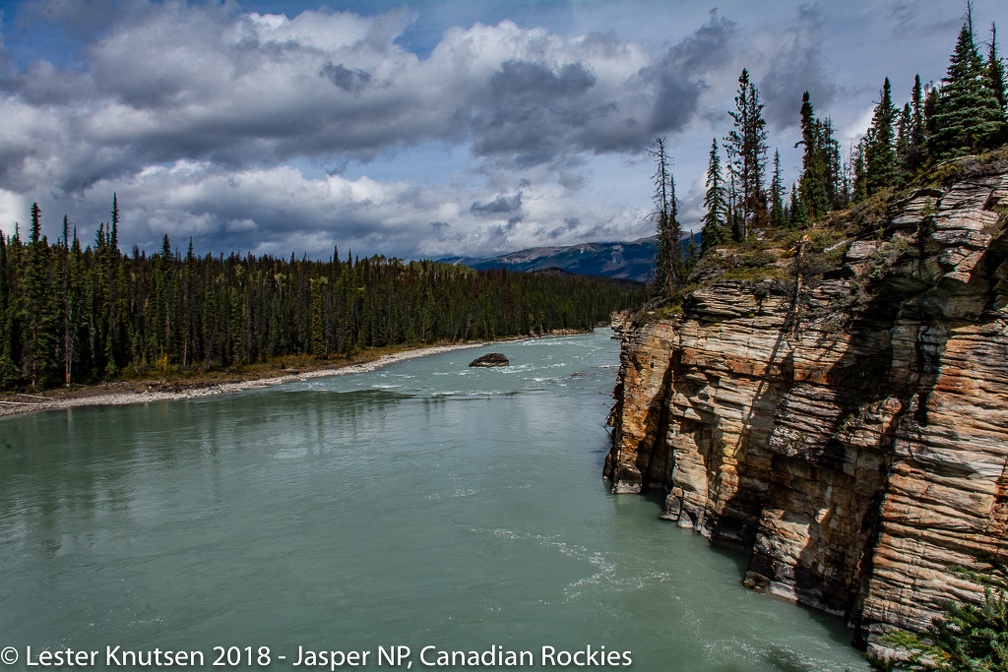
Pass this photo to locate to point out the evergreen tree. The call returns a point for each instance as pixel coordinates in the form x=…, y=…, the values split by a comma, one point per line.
x=904, y=132
x=996, y=70
x=967, y=117
x=35, y=232
x=798, y=214
x=777, y=219
x=917, y=136
x=714, y=230
x=966, y=636
x=996, y=83
x=37, y=307
x=930, y=125
x=7, y=373
x=880, y=152
x=114, y=234
x=668, y=263
x=746, y=146
x=860, y=187
x=836, y=192
x=673, y=239
x=812, y=184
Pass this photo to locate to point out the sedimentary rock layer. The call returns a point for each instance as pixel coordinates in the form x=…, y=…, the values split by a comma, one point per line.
x=851, y=433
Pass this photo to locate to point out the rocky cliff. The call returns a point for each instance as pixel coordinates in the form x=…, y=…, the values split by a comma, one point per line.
x=845, y=422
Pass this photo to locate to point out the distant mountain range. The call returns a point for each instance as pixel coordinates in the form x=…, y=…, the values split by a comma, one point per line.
x=628, y=261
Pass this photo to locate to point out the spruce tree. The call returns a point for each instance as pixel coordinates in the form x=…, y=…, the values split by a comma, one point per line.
x=996, y=83
x=114, y=235
x=967, y=117
x=7, y=373
x=930, y=106
x=715, y=222
x=916, y=137
x=812, y=184
x=735, y=222
x=996, y=70
x=904, y=132
x=836, y=192
x=777, y=219
x=860, y=188
x=799, y=216
x=37, y=306
x=746, y=145
x=880, y=152
x=35, y=231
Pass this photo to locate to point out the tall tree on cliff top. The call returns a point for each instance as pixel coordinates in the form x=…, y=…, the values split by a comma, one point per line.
x=881, y=168
x=777, y=217
x=967, y=117
x=668, y=261
x=996, y=70
x=837, y=195
x=996, y=83
x=917, y=130
x=715, y=222
x=859, y=191
x=747, y=147
x=812, y=184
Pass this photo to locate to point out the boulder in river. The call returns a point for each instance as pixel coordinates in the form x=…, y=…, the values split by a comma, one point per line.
x=491, y=359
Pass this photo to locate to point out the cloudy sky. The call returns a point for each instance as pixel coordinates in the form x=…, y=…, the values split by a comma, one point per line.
x=419, y=129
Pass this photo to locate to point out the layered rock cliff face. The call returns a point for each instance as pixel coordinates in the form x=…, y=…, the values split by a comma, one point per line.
x=851, y=432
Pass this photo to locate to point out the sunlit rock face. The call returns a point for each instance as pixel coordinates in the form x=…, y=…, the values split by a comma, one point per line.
x=851, y=433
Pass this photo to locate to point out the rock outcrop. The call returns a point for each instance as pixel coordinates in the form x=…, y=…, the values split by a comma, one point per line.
x=851, y=433
x=491, y=359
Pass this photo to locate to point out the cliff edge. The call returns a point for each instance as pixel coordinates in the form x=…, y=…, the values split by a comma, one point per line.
x=845, y=418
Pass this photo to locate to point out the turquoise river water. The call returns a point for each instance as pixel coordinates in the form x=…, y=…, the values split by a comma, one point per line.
x=378, y=520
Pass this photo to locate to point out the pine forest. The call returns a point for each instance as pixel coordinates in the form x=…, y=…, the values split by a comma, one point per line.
x=73, y=314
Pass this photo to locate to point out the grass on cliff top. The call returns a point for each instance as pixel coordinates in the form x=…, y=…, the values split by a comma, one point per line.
x=947, y=173
x=773, y=254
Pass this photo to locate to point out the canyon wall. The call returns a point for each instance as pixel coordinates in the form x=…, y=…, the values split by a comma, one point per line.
x=850, y=432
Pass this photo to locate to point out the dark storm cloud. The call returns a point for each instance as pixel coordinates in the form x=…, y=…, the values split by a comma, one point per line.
x=681, y=75
x=532, y=111
x=708, y=48
x=538, y=83
x=440, y=230
x=350, y=80
x=797, y=66
x=502, y=205
x=570, y=224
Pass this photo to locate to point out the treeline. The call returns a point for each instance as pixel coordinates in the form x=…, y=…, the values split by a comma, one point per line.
x=72, y=314
x=965, y=113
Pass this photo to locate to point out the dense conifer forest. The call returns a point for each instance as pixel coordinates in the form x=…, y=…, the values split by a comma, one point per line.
x=74, y=314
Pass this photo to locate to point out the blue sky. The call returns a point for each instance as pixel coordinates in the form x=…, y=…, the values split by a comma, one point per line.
x=419, y=129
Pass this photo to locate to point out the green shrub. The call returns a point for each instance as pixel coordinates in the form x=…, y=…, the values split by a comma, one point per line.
x=968, y=637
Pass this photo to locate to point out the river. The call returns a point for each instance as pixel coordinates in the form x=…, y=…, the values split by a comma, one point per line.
x=426, y=507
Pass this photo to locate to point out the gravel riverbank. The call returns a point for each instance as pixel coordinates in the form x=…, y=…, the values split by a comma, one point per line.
x=139, y=392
